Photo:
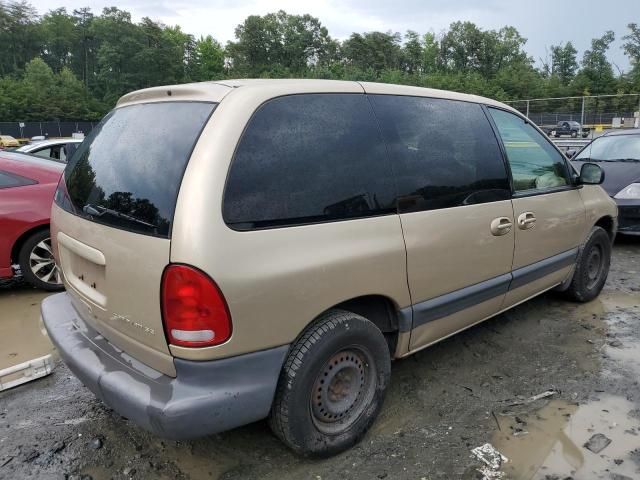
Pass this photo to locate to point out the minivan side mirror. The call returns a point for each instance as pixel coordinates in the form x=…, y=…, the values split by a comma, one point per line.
x=570, y=153
x=591, y=174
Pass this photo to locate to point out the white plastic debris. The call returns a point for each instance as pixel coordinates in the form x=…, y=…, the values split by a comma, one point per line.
x=25, y=372
x=534, y=398
x=492, y=460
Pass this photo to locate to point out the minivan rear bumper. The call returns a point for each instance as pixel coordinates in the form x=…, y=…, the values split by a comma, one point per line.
x=204, y=397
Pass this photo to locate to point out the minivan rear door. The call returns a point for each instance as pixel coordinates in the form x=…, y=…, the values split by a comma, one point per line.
x=112, y=218
x=455, y=207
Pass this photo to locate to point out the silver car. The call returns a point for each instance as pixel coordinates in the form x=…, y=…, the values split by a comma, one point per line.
x=59, y=149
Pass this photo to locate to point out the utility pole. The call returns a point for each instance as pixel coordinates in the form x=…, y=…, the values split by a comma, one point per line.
x=527, y=108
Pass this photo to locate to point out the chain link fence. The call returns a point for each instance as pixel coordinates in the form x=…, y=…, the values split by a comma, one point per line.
x=598, y=112
x=51, y=129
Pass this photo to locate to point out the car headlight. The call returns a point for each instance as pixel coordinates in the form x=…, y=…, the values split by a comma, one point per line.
x=629, y=192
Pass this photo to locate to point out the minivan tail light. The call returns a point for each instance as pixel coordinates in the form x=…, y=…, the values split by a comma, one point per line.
x=194, y=311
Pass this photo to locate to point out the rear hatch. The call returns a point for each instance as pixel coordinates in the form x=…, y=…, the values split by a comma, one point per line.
x=111, y=222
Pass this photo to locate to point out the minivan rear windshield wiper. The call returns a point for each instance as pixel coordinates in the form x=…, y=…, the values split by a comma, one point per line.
x=100, y=210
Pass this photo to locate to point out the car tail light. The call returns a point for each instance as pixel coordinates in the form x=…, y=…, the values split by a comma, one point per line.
x=194, y=311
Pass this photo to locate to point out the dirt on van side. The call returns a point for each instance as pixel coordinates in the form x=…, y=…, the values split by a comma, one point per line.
x=551, y=385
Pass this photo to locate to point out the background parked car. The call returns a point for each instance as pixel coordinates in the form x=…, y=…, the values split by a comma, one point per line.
x=59, y=149
x=567, y=127
x=27, y=185
x=618, y=153
x=7, y=141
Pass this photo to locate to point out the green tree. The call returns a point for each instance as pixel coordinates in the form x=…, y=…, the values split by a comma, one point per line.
x=376, y=51
x=412, y=52
x=430, y=53
x=279, y=42
x=75, y=66
x=596, y=75
x=160, y=57
x=59, y=37
x=19, y=35
x=208, y=60
x=563, y=62
x=631, y=47
x=460, y=47
x=119, y=42
x=84, y=52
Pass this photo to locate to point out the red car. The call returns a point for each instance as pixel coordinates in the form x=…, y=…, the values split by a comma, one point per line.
x=27, y=186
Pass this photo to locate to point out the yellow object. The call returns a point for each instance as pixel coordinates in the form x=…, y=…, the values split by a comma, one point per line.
x=7, y=141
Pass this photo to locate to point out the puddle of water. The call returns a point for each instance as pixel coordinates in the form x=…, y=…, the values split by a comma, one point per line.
x=199, y=462
x=553, y=444
x=21, y=335
x=619, y=309
x=619, y=299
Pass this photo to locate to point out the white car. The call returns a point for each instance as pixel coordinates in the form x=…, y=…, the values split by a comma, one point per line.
x=59, y=149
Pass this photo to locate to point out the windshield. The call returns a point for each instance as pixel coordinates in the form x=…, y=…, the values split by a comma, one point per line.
x=612, y=148
x=127, y=173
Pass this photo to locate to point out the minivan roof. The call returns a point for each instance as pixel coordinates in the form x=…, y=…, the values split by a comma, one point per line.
x=217, y=90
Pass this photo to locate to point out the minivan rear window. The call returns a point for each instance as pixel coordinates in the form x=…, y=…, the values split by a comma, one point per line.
x=127, y=172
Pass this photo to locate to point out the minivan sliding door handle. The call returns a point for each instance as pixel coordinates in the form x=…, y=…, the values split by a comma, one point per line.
x=526, y=220
x=501, y=226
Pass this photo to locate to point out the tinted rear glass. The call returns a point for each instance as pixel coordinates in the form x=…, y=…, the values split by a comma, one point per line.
x=443, y=152
x=127, y=173
x=309, y=158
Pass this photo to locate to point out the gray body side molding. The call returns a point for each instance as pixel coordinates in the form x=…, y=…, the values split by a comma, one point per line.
x=204, y=397
x=458, y=300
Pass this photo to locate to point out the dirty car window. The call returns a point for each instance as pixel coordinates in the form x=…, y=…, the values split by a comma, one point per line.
x=127, y=173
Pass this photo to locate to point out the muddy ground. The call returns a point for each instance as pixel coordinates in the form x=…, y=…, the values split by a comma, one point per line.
x=469, y=390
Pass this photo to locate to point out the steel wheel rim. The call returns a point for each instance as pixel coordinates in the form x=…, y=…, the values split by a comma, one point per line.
x=595, y=262
x=42, y=263
x=343, y=389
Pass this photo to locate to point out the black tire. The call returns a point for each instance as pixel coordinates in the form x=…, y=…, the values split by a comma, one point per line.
x=24, y=260
x=574, y=134
x=360, y=354
x=592, y=267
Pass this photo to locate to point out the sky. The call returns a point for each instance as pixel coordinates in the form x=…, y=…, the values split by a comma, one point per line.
x=542, y=22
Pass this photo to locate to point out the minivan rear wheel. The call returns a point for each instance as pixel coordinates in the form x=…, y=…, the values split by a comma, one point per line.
x=332, y=385
x=592, y=267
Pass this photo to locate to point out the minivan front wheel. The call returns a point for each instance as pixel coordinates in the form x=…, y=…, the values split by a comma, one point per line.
x=592, y=267
x=332, y=385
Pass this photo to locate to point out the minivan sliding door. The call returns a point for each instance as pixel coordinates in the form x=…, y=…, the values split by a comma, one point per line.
x=454, y=204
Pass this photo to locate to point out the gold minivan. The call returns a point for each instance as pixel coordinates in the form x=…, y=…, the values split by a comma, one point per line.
x=250, y=249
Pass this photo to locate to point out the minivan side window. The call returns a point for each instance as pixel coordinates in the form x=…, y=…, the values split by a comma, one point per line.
x=443, y=152
x=535, y=164
x=308, y=158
